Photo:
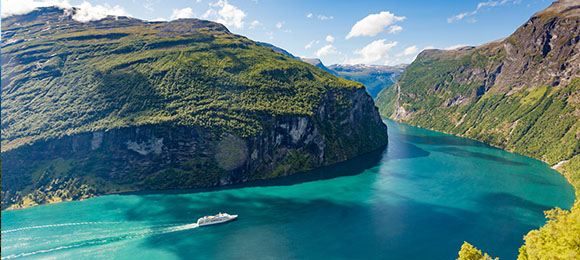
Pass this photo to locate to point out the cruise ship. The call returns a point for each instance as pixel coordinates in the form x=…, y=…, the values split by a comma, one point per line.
x=219, y=218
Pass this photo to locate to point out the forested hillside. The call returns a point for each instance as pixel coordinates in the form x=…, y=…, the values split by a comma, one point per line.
x=122, y=104
x=521, y=93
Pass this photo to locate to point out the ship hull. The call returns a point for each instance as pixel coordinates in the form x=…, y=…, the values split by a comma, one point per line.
x=220, y=222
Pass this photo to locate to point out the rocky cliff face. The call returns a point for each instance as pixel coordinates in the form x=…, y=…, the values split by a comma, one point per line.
x=157, y=157
x=192, y=106
x=520, y=93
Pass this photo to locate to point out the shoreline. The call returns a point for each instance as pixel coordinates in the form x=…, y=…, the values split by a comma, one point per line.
x=203, y=189
x=557, y=167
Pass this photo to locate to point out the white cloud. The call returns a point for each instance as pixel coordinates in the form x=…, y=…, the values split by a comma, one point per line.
x=226, y=14
x=149, y=6
x=373, y=24
x=489, y=3
x=375, y=51
x=279, y=25
x=159, y=19
x=16, y=7
x=457, y=46
x=460, y=16
x=395, y=29
x=408, y=51
x=182, y=13
x=254, y=23
x=87, y=12
x=310, y=44
x=329, y=38
x=320, y=16
x=326, y=50
x=324, y=17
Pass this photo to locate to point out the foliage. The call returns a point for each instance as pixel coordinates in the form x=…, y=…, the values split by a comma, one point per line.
x=480, y=94
x=468, y=252
x=112, y=74
x=205, y=90
x=560, y=237
x=386, y=100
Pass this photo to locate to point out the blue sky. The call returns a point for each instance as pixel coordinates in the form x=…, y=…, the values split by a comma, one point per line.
x=370, y=32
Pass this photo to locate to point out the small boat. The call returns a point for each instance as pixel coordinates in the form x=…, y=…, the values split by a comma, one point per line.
x=217, y=219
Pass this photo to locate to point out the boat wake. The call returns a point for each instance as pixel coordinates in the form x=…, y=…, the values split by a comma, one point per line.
x=155, y=230
x=57, y=225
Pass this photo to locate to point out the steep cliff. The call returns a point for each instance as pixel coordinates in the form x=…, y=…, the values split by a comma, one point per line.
x=122, y=104
x=521, y=93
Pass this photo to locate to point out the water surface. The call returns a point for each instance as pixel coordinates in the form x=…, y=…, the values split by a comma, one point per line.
x=419, y=198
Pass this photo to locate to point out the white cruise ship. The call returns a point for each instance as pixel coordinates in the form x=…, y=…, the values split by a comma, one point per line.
x=219, y=218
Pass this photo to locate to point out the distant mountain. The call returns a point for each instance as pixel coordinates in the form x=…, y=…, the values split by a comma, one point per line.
x=122, y=104
x=318, y=63
x=374, y=77
x=521, y=93
x=279, y=50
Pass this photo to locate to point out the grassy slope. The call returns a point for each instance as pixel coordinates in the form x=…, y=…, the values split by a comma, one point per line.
x=446, y=91
x=542, y=122
x=88, y=77
x=62, y=78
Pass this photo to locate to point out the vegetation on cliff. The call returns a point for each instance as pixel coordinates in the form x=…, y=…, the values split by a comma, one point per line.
x=62, y=78
x=468, y=252
x=521, y=93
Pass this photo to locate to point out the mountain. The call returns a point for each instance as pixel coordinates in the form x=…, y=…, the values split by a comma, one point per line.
x=318, y=63
x=279, y=50
x=521, y=93
x=374, y=77
x=122, y=104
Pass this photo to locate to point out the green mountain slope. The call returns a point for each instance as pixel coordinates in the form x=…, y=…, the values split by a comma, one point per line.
x=122, y=104
x=374, y=77
x=521, y=93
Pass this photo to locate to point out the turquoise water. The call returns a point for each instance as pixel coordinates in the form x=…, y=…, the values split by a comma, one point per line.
x=419, y=198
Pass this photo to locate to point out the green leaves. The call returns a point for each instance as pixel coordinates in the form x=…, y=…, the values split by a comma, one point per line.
x=88, y=78
x=468, y=252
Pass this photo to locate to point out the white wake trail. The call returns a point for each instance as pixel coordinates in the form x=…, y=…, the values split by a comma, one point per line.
x=57, y=225
x=97, y=241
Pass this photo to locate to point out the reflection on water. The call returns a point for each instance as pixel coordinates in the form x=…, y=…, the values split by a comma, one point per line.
x=419, y=197
x=455, y=151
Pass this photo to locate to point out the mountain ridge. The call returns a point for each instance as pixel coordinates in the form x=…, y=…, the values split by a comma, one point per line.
x=122, y=104
x=374, y=77
x=520, y=93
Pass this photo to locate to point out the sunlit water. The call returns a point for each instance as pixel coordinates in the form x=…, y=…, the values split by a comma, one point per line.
x=419, y=198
